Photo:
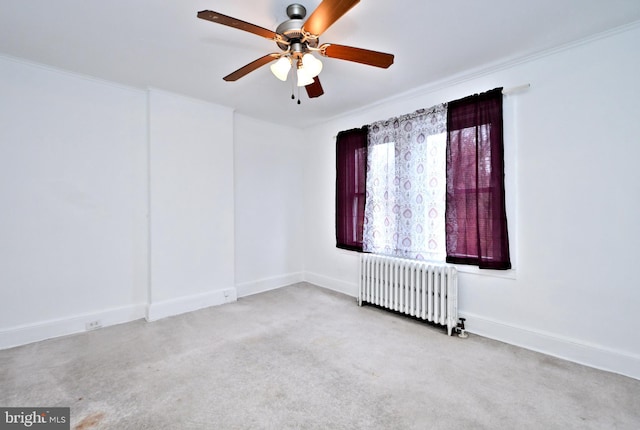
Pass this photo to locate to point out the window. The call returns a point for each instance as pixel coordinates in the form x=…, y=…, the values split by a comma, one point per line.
x=428, y=185
x=351, y=159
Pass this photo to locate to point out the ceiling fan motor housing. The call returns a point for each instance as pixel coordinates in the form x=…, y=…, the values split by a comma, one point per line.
x=296, y=11
x=291, y=32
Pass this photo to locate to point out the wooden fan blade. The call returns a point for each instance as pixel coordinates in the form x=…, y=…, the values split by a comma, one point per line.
x=358, y=55
x=327, y=12
x=236, y=23
x=314, y=89
x=245, y=70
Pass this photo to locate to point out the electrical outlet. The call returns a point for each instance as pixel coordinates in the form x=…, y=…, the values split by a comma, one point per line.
x=229, y=295
x=92, y=325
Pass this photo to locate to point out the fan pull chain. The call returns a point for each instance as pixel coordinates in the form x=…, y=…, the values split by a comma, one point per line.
x=293, y=89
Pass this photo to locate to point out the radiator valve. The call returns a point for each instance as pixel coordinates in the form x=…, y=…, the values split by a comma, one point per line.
x=462, y=332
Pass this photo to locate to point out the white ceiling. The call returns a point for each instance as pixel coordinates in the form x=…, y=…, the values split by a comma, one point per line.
x=161, y=44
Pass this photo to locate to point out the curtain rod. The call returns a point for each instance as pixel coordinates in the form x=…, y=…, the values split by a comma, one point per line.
x=513, y=90
x=505, y=92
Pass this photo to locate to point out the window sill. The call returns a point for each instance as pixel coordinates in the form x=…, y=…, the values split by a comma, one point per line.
x=462, y=268
x=505, y=274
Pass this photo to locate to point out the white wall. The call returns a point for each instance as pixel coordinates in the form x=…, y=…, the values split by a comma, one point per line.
x=573, y=200
x=119, y=204
x=72, y=223
x=269, y=205
x=192, y=204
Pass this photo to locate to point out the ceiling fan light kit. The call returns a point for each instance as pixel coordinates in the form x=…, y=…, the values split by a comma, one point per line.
x=297, y=39
x=281, y=68
x=312, y=64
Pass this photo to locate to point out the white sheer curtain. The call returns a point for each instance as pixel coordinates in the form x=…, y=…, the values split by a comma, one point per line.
x=406, y=186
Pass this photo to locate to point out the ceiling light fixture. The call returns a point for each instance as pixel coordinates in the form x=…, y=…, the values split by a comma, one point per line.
x=312, y=64
x=304, y=78
x=297, y=38
x=307, y=68
x=281, y=68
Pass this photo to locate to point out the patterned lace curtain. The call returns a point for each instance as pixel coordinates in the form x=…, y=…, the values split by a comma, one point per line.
x=406, y=186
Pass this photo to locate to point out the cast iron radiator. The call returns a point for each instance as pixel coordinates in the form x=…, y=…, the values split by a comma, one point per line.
x=424, y=290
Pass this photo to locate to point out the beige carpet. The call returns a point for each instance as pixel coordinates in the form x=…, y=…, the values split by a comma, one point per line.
x=302, y=357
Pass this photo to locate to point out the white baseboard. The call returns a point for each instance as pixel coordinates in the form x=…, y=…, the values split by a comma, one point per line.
x=28, y=333
x=181, y=305
x=551, y=344
x=548, y=343
x=348, y=288
x=267, y=284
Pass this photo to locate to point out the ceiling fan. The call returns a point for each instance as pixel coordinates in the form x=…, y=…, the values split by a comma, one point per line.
x=297, y=40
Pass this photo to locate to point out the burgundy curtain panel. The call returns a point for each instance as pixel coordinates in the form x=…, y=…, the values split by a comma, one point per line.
x=351, y=164
x=476, y=222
